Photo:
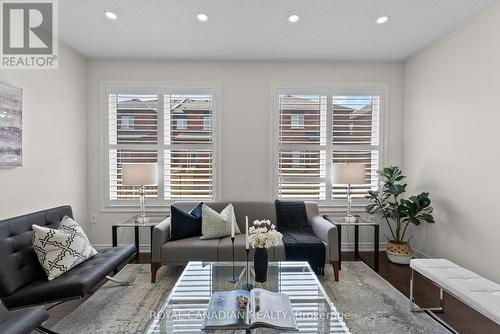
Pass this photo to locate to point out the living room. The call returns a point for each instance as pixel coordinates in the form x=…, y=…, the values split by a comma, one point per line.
x=301, y=116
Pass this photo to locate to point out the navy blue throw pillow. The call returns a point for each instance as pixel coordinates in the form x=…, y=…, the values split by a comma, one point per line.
x=185, y=224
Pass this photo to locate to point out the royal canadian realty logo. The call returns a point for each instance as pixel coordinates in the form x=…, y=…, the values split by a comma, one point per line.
x=29, y=34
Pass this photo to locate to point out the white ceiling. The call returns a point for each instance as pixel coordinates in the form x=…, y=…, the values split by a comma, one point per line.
x=258, y=29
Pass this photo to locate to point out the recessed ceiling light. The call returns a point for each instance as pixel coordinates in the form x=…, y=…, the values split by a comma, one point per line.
x=202, y=17
x=293, y=18
x=110, y=15
x=382, y=19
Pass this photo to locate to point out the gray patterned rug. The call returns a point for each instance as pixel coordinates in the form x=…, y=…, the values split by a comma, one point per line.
x=373, y=305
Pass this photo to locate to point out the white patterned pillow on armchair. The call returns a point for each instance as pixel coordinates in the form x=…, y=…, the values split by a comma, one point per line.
x=59, y=250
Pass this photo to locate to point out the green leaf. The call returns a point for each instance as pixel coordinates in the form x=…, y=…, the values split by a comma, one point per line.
x=388, y=200
x=372, y=208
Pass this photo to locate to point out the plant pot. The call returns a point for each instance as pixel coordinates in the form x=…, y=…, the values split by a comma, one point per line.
x=260, y=262
x=399, y=253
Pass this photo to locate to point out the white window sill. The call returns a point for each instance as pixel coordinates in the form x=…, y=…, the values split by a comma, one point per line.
x=117, y=208
x=165, y=208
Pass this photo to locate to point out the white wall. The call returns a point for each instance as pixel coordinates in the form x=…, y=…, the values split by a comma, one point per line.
x=245, y=113
x=451, y=140
x=54, y=170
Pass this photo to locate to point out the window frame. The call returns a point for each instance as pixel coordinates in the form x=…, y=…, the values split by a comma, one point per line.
x=130, y=125
x=297, y=159
x=161, y=89
x=207, y=124
x=293, y=121
x=329, y=90
x=181, y=124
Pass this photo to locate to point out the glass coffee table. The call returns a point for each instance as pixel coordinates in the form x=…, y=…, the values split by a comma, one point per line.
x=183, y=310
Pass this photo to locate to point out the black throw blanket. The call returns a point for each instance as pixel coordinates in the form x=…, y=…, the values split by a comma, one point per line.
x=300, y=242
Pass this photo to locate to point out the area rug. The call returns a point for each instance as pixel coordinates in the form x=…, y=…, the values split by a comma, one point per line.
x=369, y=303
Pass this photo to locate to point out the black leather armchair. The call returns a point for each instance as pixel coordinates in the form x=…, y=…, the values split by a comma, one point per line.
x=22, y=279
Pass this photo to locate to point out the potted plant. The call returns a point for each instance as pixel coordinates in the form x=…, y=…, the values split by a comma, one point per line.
x=399, y=212
x=262, y=235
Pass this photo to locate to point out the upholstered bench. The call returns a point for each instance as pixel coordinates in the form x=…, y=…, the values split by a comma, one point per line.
x=475, y=291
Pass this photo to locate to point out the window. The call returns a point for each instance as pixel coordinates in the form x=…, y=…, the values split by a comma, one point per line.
x=182, y=124
x=297, y=121
x=207, y=123
x=164, y=131
x=335, y=129
x=127, y=122
x=297, y=159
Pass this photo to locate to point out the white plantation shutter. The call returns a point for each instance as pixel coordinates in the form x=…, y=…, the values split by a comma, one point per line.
x=355, y=133
x=306, y=143
x=189, y=151
x=133, y=137
x=370, y=159
x=143, y=127
x=336, y=129
x=305, y=180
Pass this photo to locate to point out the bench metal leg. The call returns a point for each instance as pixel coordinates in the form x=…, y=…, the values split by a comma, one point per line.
x=415, y=308
x=429, y=310
x=117, y=281
x=441, y=299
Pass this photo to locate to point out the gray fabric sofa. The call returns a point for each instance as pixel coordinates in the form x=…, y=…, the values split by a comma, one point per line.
x=180, y=252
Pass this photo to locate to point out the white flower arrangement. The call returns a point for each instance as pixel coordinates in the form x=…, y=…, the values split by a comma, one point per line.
x=263, y=234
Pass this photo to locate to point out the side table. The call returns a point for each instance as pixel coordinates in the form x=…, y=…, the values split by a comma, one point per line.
x=339, y=222
x=137, y=226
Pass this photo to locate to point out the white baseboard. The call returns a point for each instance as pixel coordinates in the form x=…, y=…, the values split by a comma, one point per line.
x=363, y=247
x=420, y=254
x=368, y=247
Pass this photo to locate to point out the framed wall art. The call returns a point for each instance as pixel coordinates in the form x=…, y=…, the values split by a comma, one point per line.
x=11, y=132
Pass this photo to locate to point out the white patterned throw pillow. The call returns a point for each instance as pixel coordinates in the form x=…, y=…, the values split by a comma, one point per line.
x=217, y=225
x=59, y=250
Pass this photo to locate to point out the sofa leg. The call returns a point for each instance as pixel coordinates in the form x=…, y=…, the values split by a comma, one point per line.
x=154, y=268
x=336, y=268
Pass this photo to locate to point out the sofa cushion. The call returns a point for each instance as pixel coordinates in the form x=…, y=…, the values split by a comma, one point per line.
x=20, y=265
x=225, y=251
x=218, y=225
x=189, y=249
x=76, y=282
x=185, y=224
x=254, y=210
x=22, y=321
x=59, y=250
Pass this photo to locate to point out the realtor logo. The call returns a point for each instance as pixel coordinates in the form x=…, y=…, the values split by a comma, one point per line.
x=29, y=34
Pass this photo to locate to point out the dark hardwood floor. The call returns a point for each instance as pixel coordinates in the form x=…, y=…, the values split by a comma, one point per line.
x=458, y=315
x=462, y=318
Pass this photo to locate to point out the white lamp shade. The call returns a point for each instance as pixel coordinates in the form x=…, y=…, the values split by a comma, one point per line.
x=140, y=174
x=349, y=173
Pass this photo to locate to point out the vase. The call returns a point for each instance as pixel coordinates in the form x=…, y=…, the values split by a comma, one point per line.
x=260, y=262
x=399, y=253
